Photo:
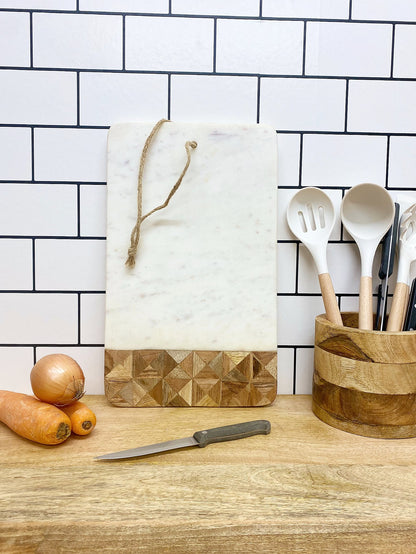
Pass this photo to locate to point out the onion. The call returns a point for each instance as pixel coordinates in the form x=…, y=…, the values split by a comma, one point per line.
x=57, y=379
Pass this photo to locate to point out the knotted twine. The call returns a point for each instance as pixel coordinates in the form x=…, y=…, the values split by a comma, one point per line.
x=135, y=234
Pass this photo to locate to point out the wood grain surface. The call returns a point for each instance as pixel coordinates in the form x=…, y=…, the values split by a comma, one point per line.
x=365, y=381
x=306, y=487
x=384, y=347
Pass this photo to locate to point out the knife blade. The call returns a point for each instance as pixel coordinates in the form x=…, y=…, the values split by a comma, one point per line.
x=410, y=320
x=386, y=268
x=200, y=438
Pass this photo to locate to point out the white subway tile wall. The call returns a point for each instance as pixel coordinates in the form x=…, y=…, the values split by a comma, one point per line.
x=303, y=104
x=70, y=154
x=255, y=46
x=126, y=6
x=350, y=49
x=37, y=210
x=15, y=44
x=405, y=46
x=339, y=160
x=15, y=153
x=312, y=9
x=108, y=97
x=81, y=41
x=335, y=78
x=216, y=7
x=212, y=98
x=169, y=44
x=38, y=97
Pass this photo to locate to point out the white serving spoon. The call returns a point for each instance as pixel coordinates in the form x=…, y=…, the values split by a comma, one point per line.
x=407, y=255
x=311, y=217
x=367, y=212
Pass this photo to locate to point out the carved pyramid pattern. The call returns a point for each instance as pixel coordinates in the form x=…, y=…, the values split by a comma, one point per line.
x=145, y=378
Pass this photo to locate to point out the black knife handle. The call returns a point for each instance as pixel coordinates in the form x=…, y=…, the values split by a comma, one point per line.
x=389, y=245
x=232, y=432
x=410, y=320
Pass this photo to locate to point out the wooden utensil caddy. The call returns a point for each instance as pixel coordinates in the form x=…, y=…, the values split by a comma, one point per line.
x=364, y=382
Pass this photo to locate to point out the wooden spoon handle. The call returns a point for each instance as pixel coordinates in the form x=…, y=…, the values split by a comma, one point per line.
x=398, y=307
x=365, y=311
x=329, y=298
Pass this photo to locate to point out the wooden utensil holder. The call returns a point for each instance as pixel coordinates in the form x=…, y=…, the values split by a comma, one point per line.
x=364, y=382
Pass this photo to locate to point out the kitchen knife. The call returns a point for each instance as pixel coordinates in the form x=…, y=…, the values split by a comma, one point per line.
x=386, y=268
x=200, y=438
x=410, y=320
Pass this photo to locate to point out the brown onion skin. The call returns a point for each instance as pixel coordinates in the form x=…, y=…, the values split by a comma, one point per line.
x=57, y=379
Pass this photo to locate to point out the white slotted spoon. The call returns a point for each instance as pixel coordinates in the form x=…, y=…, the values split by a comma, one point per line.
x=311, y=217
x=407, y=255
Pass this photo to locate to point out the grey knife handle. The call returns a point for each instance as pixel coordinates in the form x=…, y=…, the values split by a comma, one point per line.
x=232, y=432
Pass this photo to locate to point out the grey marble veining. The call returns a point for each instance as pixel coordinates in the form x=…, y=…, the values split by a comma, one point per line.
x=205, y=273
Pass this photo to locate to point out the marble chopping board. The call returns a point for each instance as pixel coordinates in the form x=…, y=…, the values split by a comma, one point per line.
x=193, y=323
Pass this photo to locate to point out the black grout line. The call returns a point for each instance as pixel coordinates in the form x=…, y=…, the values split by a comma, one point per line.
x=304, y=49
x=293, y=346
x=347, y=92
x=295, y=351
x=342, y=225
x=31, y=38
x=32, y=152
x=34, y=264
x=295, y=241
x=350, y=11
x=296, y=270
x=78, y=101
x=57, y=126
x=300, y=158
x=79, y=318
x=51, y=237
x=123, y=46
x=387, y=162
x=78, y=211
x=54, y=182
x=296, y=346
x=41, y=291
x=279, y=131
x=169, y=100
x=214, y=49
x=274, y=76
x=258, y=99
x=50, y=345
x=393, y=40
x=316, y=294
x=210, y=16
x=260, y=8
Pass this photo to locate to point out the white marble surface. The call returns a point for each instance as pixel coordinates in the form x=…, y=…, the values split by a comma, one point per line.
x=205, y=274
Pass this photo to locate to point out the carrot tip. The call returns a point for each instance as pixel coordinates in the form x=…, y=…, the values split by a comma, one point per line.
x=63, y=431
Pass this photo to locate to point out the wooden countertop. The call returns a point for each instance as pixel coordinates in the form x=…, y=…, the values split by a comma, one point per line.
x=306, y=487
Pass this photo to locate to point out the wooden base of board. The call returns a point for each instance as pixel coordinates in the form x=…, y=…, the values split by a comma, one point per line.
x=146, y=378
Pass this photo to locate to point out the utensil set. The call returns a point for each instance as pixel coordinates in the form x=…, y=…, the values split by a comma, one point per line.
x=368, y=213
x=407, y=255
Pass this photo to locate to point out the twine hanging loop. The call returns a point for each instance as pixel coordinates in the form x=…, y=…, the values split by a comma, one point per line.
x=135, y=234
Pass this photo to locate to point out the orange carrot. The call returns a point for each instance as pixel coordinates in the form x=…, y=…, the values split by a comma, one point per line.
x=83, y=419
x=32, y=419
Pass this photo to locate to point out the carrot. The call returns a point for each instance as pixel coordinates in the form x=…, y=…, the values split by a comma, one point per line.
x=32, y=419
x=83, y=419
